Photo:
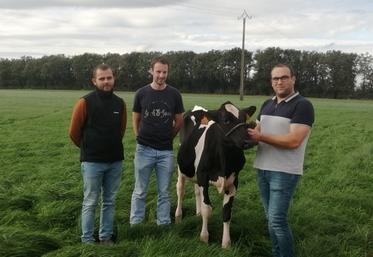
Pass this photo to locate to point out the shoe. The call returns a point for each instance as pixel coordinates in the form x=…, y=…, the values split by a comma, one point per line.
x=106, y=242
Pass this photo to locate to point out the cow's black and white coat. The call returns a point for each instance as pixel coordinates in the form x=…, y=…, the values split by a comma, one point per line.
x=211, y=153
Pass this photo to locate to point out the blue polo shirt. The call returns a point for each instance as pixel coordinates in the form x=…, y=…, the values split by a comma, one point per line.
x=276, y=118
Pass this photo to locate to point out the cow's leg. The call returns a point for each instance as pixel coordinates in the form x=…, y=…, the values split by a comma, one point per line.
x=206, y=211
x=180, y=190
x=227, y=211
x=197, y=194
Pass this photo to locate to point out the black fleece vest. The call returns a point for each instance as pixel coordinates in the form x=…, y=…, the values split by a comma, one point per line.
x=102, y=136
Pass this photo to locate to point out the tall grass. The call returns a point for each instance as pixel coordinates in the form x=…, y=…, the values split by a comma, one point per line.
x=41, y=187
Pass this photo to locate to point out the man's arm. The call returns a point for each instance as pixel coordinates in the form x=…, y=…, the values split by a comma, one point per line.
x=77, y=121
x=178, y=123
x=291, y=140
x=136, y=117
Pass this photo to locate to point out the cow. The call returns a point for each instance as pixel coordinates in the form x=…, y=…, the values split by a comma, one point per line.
x=212, y=153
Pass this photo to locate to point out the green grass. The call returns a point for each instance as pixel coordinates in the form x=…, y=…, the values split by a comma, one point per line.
x=41, y=187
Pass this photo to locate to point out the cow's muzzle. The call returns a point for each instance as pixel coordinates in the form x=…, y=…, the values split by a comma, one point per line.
x=248, y=143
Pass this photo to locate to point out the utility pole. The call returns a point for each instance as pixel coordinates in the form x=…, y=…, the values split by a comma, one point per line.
x=243, y=16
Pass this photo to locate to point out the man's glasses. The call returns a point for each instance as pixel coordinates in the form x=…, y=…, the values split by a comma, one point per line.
x=283, y=78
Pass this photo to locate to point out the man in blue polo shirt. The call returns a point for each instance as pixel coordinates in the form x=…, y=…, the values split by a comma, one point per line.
x=283, y=128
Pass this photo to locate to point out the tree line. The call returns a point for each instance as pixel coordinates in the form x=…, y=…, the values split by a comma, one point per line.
x=333, y=74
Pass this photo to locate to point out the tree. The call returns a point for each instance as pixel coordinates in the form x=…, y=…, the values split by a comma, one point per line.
x=5, y=73
x=229, y=67
x=181, y=69
x=31, y=73
x=342, y=73
x=56, y=72
x=332, y=74
x=135, y=69
x=264, y=61
x=310, y=77
x=364, y=78
x=206, y=73
x=81, y=68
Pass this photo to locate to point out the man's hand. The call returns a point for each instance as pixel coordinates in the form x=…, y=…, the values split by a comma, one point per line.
x=254, y=134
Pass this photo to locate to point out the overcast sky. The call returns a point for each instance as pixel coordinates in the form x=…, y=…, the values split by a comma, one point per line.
x=71, y=27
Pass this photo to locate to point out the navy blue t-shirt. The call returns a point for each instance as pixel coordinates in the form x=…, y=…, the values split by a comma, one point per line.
x=157, y=109
x=276, y=119
x=296, y=108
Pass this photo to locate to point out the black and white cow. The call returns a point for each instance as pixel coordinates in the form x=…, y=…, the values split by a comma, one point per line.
x=211, y=153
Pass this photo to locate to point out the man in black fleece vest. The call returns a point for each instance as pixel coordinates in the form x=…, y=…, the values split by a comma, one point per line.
x=97, y=127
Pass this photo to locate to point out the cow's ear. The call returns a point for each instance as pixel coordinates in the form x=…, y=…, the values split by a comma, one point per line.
x=250, y=110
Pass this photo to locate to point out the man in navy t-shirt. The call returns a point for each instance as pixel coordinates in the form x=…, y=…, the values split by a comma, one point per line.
x=283, y=128
x=156, y=118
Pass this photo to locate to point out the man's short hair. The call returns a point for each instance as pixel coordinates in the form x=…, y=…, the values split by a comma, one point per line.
x=284, y=65
x=102, y=66
x=159, y=59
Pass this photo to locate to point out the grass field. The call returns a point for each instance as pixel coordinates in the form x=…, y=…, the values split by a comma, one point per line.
x=41, y=187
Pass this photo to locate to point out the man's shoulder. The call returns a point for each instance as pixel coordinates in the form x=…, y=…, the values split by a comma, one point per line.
x=88, y=95
x=118, y=99
x=303, y=102
x=170, y=87
x=144, y=88
x=267, y=102
x=173, y=90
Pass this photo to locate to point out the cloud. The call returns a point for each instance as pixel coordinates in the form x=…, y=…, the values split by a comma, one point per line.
x=34, y=4
x=35, y=28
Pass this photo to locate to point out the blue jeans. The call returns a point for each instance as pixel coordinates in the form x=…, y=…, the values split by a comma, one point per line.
x=147, y=159
x=100, y=179
x=276, y=190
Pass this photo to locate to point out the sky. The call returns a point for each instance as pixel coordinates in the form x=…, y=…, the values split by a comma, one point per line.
x=72, y=27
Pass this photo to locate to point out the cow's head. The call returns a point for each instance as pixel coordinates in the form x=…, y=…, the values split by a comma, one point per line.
x=192, y=119
x=232, y=120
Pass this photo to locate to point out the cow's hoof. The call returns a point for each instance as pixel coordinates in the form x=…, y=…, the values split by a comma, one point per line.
x=204, y=238
x=226, y=245
x=178, y=219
